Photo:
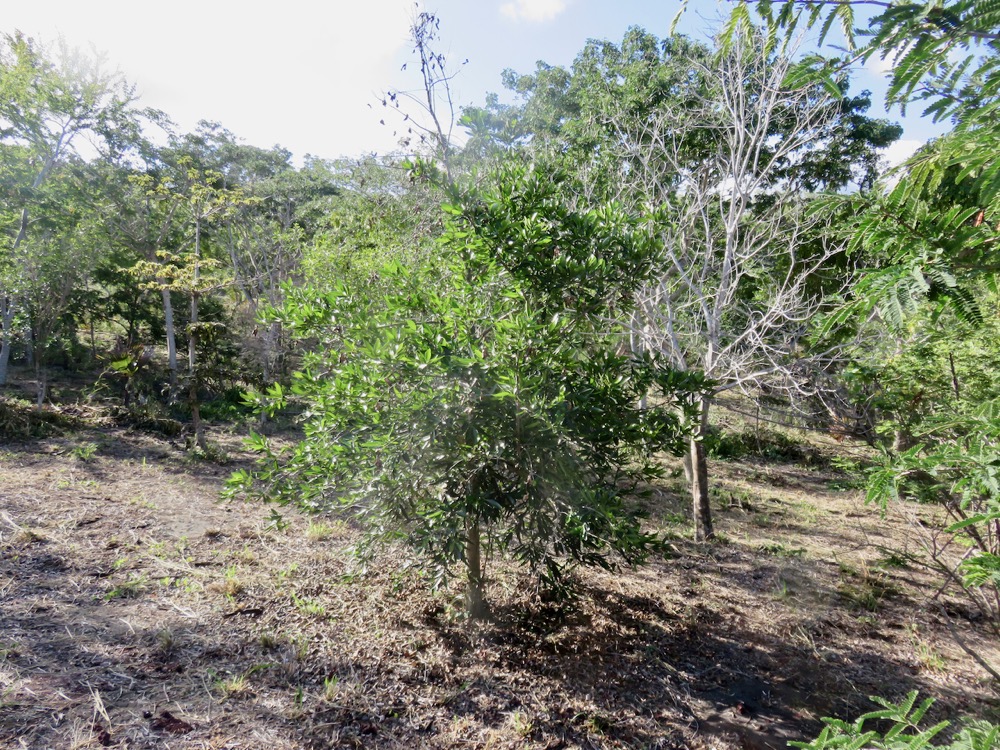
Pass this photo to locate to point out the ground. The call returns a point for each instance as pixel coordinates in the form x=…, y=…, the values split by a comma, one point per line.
x=139, y=611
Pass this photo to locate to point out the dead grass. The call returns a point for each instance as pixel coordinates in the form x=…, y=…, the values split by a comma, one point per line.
x=137, y=611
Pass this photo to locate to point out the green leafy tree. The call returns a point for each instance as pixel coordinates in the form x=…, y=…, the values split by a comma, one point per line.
x=932, y=238
x=380, y=214
x=201, y=203
x=477, y=408
x=47, y=102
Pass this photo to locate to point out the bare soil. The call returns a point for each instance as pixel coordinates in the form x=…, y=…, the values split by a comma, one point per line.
x=137, y=611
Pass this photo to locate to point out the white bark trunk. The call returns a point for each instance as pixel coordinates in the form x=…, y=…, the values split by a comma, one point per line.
x=168, y=323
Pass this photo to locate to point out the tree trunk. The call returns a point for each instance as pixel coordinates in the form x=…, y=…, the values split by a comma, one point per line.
x=41, y=384
x=699, y=475
x=7, y=313
x=199, y=432
x=475, y=595
x=168, y=322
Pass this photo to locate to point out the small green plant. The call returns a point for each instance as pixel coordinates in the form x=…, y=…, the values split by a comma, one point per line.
x=761, y=443
x=140, y=502
x=156, y=549
x=211, y=452
x=675, y=519
x=276, y=521
x=854, y=474
x=780, y=550
x=522, y=724
x=230, y=586
x=302, y=646
x=893, y=560
x=865, y=589
x=782, y=591
x=929, y=657
x=183, y=583
x=905, y=732
x=319, y=531
x=84, y=451
x=233, y=687
x=285, y=574
x=331, y=688
x=131, y=588
x=594, y=723
x=308, y=606
x=233, y=585
x=239, y=685
x=166, y=642
x=808, y=512
x=245, y=556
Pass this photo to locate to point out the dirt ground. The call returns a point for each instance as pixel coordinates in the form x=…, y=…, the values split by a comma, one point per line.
x=137, y=611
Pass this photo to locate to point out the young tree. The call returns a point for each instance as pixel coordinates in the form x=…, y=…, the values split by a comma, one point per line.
x=199, y=201
x=477, y=408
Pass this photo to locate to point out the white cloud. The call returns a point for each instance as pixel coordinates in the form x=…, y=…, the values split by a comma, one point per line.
x=901, y=150
x=533, y=11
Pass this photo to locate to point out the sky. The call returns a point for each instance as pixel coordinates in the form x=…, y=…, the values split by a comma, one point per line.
x=309, y=76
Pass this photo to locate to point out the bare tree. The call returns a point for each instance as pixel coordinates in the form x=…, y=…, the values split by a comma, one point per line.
x=741, y=250
x=429, y=112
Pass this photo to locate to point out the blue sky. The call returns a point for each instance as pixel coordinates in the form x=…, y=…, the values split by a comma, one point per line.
x=302, y=73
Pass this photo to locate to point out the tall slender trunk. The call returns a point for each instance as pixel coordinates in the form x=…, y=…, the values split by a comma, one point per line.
x=41, y=382
x=475, y=595
x=199, y=432
x=168, y=324
x=7, y=320
x=699, y=474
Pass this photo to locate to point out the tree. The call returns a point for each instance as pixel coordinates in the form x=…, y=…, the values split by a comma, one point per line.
x=476, y=408
x=380, y=214
x=736, y=297
x=198, y=199
x=731, y=157
x=46, y=104
x=933, y=238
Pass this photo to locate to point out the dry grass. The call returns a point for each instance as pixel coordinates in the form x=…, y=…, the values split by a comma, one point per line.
x=136, y=611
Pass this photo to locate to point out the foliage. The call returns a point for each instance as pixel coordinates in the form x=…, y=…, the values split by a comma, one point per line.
x=905, y=732
x=931, y=241
x=956, y=464
x=20, y=421
x=480, y=395
x=936, y=228
x=380, y=214
x=934, y=366
x=730, y=151
x=49, y=99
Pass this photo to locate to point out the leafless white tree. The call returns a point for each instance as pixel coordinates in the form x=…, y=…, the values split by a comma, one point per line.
x=742, y=252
